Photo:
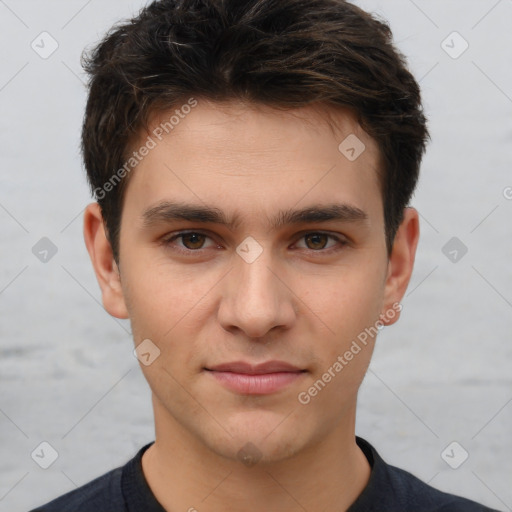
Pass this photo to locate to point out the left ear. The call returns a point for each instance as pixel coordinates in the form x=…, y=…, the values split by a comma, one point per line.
x=400, y=265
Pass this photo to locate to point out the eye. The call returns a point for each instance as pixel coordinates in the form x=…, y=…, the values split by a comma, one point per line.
x=191, y=241
x=317, y=241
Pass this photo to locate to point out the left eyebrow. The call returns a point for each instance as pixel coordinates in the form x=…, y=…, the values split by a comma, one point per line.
x=167, y=211
x=320, y=213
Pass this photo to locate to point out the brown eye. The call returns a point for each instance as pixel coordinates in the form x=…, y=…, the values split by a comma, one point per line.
x=193, y=240
x=187, y=242
x=316, y=241
x=321, y=243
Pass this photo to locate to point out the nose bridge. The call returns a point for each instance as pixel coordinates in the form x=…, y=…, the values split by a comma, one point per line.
x=256, y=282
x=255, y=300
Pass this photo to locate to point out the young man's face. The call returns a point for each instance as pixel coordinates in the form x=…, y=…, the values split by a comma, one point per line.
x=263, y=289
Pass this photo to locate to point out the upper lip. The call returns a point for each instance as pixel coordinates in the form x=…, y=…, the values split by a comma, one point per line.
x=255, y=369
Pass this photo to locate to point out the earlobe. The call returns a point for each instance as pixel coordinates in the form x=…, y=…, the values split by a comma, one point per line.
x=400, y=265
x=105, y=267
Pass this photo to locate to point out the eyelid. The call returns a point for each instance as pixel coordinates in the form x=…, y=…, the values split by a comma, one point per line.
x=337, y=236
x=341, y=240
x=171, y=237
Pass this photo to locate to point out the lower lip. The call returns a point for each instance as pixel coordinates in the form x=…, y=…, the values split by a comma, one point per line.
x=256, y=384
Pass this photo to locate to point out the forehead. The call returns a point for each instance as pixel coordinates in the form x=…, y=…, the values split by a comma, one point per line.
x=272, y=125
x=251, y=155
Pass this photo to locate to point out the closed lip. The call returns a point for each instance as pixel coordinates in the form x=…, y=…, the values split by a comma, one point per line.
x=255, y=369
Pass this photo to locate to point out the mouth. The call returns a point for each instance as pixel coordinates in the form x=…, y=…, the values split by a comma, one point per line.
x=261, y=379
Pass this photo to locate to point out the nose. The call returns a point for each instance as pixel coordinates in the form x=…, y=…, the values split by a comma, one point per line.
x=255, y=298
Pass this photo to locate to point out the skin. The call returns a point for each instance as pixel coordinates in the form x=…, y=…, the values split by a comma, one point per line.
x=300, y=301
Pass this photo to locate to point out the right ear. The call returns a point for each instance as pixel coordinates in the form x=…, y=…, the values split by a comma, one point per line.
x=102, y=258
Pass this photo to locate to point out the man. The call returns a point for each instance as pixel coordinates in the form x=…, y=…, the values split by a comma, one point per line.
x=252, y=163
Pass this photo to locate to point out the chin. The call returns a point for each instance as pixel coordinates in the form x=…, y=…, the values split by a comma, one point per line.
x=265, y=439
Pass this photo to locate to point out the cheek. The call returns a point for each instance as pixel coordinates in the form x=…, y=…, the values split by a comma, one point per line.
x=159, y=294
x=170, y=308
x=345, y=301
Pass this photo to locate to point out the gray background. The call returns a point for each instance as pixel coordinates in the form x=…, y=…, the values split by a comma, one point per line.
x=442, y=374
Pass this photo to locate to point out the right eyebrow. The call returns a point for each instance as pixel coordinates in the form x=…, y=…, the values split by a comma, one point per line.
x=167, y=211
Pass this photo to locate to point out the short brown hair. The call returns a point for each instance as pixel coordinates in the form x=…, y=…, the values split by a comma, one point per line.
x=286, y=54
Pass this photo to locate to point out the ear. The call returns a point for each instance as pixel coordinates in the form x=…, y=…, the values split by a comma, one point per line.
x=400, y=265
x=102, y=258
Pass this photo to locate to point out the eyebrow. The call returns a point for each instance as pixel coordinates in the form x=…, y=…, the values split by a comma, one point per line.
x=167, y=211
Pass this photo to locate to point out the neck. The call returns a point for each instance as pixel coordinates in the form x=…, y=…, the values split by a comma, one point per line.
x=185, y=474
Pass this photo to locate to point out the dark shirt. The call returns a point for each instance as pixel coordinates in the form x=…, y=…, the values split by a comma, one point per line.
x=389, y=489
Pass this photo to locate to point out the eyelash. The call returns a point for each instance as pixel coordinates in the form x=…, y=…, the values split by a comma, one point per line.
x=167, y=242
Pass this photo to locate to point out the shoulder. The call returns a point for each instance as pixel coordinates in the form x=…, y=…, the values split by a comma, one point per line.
x=391, y=488
x=106, y=493
x=101, y=495
x=418, y=496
